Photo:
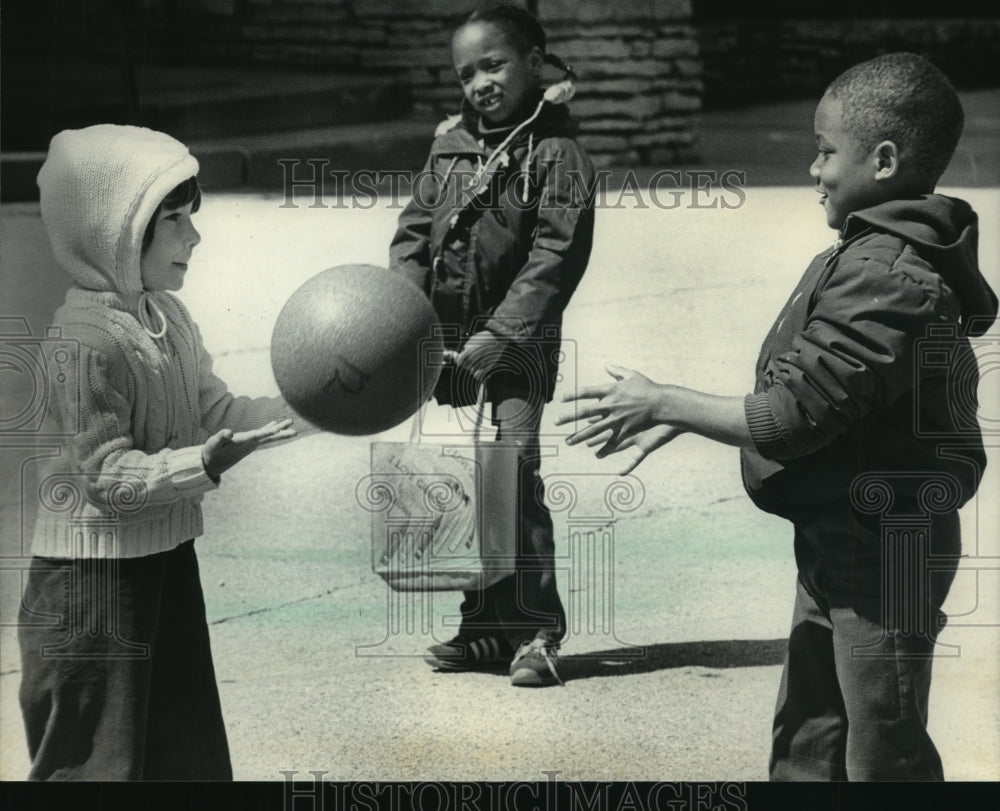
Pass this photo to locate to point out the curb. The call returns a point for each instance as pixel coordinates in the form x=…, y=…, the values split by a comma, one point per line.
x=255, y=162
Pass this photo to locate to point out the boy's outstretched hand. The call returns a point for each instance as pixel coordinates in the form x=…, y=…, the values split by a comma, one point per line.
x=225, y=449
x=635, y=412
x=627, y=414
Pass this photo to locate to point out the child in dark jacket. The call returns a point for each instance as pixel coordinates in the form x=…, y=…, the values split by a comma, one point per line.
x=498, y=235
x=864, y=379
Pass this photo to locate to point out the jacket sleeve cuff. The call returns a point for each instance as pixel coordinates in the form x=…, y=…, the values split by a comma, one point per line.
x=499, y=329
x=186, y=472
x=765, y=430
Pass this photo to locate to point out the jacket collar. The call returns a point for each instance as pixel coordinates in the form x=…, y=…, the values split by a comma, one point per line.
x=468, y=137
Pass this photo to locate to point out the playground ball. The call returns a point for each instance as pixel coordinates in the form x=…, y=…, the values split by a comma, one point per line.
x=354, y=349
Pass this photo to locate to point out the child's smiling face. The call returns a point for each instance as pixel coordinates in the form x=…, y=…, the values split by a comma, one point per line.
x=164, y=262
x=496, y=77
x=844, y=172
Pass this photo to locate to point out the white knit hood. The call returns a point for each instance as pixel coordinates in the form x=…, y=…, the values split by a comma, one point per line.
x=99, y=188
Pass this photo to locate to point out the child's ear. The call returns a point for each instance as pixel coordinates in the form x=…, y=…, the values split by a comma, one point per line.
x=886, y=160
x=536, y=60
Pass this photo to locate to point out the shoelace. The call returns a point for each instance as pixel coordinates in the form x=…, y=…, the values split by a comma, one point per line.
x=541, y=647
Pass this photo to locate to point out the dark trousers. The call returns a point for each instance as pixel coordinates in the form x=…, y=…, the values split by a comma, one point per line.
x=117, y=676
x=852, y=704
x=526, y=604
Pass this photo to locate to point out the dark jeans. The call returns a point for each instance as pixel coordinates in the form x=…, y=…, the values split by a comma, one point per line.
x=526, y=604
x=852, y=704
x=117, y=677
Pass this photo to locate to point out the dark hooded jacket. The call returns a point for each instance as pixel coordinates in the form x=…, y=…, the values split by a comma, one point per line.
x=870, y=368
x=509, y=258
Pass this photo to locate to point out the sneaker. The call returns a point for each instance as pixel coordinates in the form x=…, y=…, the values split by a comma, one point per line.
x=469, y=653
x=534, y=664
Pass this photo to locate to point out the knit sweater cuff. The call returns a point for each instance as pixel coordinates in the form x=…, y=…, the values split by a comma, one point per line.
x=765, y=430
x=187, y=472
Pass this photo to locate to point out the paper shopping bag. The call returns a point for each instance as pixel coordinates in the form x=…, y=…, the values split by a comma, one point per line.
x=444, y=517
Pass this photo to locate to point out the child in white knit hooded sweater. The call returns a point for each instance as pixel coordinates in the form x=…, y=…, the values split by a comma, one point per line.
x=124, y=686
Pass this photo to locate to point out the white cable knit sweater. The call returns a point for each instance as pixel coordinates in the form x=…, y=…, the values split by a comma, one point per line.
x=135, y=410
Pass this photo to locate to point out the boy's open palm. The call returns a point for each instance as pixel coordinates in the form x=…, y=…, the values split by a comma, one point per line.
x=645, y=441
x=623, y=416
x=226, y=448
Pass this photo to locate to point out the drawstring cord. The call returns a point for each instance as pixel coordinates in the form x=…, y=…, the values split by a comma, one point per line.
x=147, y=309
x=526, y=168
x=447, y=174
x=558, y=93
x=147, y=303
x=484, y=167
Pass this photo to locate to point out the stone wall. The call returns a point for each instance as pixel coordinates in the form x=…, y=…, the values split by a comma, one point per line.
x=639, y=81
x=639, y=87
x=759, y=60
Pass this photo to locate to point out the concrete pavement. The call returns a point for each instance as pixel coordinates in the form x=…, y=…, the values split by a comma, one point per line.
x=671, y=667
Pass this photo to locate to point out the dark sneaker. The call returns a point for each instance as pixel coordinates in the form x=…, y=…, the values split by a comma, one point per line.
x=469, y=653
x=534, y=664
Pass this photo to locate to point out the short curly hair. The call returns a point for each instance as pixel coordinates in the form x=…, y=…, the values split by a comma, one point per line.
x=903, y=98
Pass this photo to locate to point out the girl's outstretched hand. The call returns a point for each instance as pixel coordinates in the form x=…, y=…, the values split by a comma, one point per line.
x=626, y=414
x=225, y=449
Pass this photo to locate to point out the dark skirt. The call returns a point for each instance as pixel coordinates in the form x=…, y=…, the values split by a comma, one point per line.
x=117, y=677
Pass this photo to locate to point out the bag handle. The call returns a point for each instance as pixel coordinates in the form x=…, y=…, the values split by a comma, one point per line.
x=480, y=417
x=480, y=413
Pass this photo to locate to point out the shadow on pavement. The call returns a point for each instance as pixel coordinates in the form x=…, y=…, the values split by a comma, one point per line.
x=630, y=661
x=634, y=660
